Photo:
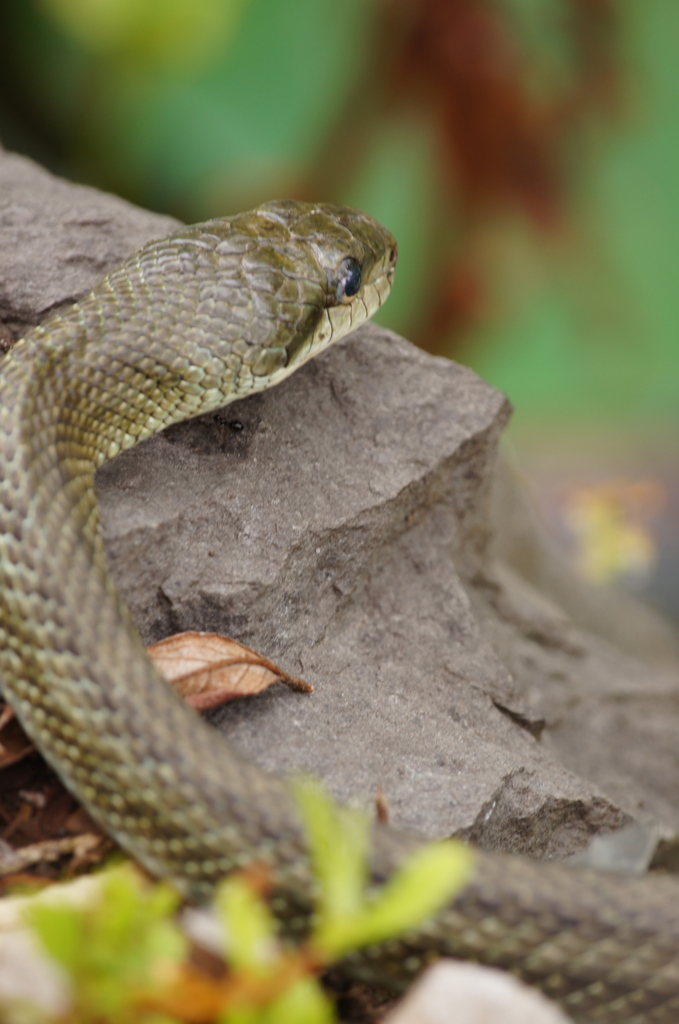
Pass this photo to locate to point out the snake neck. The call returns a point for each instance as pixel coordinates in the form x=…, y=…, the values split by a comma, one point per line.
x=72, y=662
x=185, y=326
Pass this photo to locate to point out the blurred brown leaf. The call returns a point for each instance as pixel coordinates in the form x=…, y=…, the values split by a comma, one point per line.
x=503, y=139
x=43, y=834
x=14, y=743
x=207, y=669
x=197, y=998
x=510, y=121
x=82, y=849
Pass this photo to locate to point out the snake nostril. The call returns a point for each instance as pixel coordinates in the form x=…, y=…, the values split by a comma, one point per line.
x=393, y=253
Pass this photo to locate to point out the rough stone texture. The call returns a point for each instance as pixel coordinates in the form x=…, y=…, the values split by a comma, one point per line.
x=609, y=696
x=341, y=525
x=326, y=533
x=58, y=239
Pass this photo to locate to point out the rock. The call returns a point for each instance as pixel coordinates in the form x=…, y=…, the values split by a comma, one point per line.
x=608, y=694
x=341, y=525
x=627, y=622
x=57, y=239
x=325, y=533
x=454, y=993
x=29, y=979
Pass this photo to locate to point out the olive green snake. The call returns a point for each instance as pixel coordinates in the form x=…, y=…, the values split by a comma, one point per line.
x=186, y=325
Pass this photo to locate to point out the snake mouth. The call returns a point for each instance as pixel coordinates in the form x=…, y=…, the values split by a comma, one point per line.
x=383, y=284
x=376, y=291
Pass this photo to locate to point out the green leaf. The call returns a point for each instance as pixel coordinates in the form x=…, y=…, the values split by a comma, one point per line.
x=338, y=846
x=115, y=946
x=61, y=931
x=168, y=31
x=422, y=886
x=249, y=929
x=304, y=1002
x=244, y=1015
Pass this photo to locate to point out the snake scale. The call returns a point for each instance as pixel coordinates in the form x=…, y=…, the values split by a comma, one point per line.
x=186, y=325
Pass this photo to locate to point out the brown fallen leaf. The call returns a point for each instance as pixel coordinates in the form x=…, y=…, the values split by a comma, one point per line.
x=82, y=849
x=14, y=743
x=42, y=836
x=207, y=669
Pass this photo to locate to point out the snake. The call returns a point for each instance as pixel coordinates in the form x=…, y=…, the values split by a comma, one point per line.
x=190, y=323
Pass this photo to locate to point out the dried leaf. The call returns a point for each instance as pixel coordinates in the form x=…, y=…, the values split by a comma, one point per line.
x=82, y=848
x=199, y=999
x=207, y=669
x=36, y=812
x=193, y=998
x=79, y=821
x=14, y=743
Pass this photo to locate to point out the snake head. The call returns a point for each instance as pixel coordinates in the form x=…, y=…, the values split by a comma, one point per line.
x=234, y=305
x=329, y=268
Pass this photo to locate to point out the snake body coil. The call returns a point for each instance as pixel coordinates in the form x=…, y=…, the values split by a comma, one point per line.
x=185, y=326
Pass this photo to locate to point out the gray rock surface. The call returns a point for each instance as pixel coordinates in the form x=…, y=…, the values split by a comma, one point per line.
x=326, y=534
x=57, y=239
x=341, y=524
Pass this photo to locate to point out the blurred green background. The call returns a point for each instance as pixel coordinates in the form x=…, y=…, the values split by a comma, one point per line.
x=524, y=152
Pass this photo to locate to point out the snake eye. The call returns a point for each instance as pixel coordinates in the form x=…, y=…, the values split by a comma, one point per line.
x=349, y=278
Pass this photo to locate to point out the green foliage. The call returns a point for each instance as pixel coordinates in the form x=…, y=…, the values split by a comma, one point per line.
x=127, y=960
x=304, y=1002
x=346, y=919
x=155, y=31
x=111, y=950
x=248, y=926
